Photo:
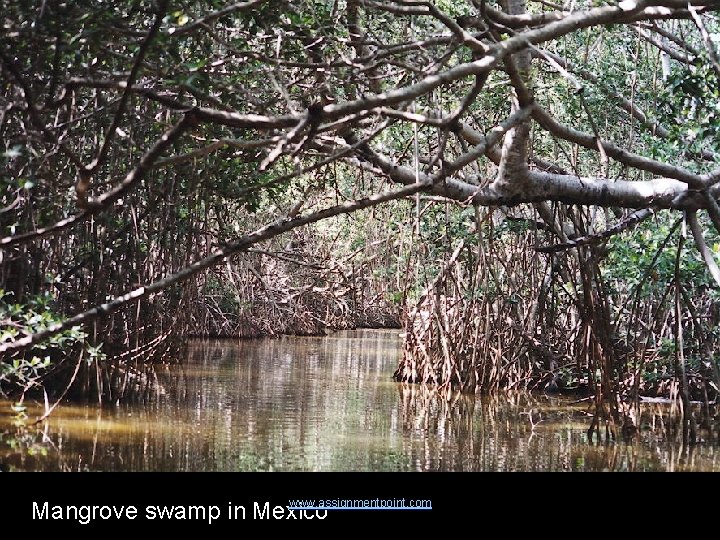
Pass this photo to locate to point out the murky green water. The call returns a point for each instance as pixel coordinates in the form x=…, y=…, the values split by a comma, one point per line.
x=326, y=404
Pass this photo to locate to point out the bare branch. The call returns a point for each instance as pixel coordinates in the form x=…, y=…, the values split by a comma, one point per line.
x=104, y=201
x=691, y=217
x=631, y=108
x=242, y=244
x=623, y=156
x=33, y=108
x=630, y=221
x=210, y=17
x=92, y=168
x=709, y=46
x=672, y=53
x=669, y=36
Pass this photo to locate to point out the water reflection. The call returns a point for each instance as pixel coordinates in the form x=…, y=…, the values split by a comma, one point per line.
x=326, y=404
x=521, y=432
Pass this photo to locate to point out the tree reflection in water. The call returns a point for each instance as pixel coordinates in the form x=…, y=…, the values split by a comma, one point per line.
x=330, y=404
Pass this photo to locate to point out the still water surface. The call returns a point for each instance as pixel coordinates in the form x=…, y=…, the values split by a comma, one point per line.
x=326, y=404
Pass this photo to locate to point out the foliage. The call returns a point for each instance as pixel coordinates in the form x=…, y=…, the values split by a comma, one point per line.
x=16, y=320
x=690, y=104
x=644, y=262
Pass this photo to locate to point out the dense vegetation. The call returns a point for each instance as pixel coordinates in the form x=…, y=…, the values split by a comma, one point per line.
x=530, y=189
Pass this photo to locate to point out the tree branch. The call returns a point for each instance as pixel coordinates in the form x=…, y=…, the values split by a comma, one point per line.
x=264, y=233
x=210, y=17
x=691, y=217
x=92, y=168
x=623, y=156
x=104, y=201
x=709, y=46
x=630, y=221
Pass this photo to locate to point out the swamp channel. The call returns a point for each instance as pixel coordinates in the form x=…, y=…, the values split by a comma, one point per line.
x=329, y=404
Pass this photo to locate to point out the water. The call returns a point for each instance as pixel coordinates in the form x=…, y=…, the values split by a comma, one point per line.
x=326, y=404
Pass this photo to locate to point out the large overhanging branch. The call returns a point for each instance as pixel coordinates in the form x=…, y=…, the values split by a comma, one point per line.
x=544, y=186
x=659, y=192
x=631, y=159
x=495, y=54
x=672, y=192
x=655, y=10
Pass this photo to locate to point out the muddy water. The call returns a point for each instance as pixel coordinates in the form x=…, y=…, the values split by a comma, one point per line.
x=326, y=404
